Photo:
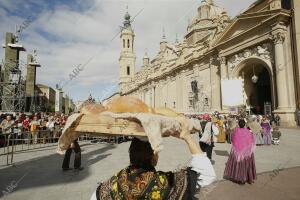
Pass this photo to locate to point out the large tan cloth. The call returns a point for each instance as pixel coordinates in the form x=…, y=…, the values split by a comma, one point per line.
x=124, y=116
x=155, y=126
x=68, y=133
x=150, y=126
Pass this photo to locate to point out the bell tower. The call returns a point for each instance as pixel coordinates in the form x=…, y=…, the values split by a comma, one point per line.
x=127, y=55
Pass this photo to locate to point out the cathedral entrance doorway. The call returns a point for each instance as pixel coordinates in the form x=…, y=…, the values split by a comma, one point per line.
x=257, y=86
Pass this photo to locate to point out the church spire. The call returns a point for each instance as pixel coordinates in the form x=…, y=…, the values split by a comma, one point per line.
x=163, y=34
x=127, y=55
x=163, y=42
x=146, y=59
x=176, y=39
x=127, y=21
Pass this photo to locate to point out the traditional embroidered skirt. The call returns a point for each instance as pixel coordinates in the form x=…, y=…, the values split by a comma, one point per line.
x=259, y=139
x=240, y=172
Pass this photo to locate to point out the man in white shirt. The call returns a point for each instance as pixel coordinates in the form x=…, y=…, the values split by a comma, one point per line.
x=209, y=137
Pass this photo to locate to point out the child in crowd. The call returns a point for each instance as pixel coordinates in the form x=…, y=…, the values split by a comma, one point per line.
x=276, y=135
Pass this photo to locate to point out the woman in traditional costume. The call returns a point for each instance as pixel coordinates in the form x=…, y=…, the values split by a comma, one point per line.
x=256, y=129
x=267, y=131
x=240, y=166
x=222, y=136
x=140, y=180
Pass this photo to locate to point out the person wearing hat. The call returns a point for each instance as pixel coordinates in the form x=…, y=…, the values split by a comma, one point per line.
x=140, y=180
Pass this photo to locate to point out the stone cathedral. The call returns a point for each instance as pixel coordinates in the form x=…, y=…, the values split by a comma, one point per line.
x=257, y=46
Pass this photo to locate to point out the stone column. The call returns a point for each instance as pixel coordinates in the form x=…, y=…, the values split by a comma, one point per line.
x=179, y=92
x=216, y=85
x=153, y=97
x=282, y=92
x=224, y=75
x=284, y=109
x=224, y=68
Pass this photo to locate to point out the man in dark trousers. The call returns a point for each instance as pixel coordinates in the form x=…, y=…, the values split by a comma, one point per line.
x=77, y=161
x=208, y=136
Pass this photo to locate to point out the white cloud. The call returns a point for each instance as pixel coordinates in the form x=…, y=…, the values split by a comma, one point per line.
x=75, y=36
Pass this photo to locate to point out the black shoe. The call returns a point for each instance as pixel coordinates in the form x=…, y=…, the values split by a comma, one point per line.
x=79, y=168
x=66, y=169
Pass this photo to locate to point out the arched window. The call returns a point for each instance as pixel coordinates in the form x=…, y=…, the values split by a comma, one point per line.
x=128, y=44
x=123, y=43
x=128, y=70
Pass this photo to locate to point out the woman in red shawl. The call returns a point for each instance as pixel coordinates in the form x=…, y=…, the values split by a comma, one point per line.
x=240, y=166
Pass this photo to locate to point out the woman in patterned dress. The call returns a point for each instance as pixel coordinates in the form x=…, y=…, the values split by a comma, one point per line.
x=140, y=180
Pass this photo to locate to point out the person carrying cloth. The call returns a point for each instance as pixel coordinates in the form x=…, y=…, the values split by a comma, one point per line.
x=140, y=180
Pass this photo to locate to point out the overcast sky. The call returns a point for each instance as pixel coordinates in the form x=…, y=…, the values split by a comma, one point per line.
x=67, y=33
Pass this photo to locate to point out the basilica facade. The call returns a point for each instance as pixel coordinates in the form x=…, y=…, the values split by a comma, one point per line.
x=258, y=47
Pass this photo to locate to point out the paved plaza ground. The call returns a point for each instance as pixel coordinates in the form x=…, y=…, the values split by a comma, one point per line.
x=37, y=175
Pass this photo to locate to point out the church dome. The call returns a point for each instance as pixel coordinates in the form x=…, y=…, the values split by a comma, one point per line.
x=207, y=12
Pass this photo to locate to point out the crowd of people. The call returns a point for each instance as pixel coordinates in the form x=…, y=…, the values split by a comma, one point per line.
x=264, y=127
x=243, y=132
x=30, y=127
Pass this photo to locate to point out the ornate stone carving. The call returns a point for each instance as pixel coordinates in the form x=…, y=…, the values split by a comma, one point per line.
x=263, y=51
x=223, y=60
x=278, y=38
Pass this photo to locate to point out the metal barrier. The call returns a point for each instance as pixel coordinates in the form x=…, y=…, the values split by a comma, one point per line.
x=16, y=143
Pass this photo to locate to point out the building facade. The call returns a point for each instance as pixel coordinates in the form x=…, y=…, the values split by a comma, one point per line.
x=258, y=47
x=45, y=98
x=58, y=100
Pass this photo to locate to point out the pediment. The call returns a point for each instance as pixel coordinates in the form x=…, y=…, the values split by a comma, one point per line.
x=240, y=25
x=258, y=6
